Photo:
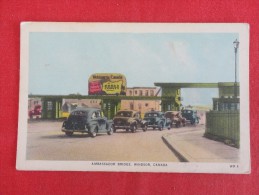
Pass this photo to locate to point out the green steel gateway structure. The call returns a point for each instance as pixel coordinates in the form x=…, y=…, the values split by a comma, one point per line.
x=222, y=122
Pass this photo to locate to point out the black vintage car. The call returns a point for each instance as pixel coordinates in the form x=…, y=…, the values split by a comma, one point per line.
x=155, y=119
x=87, y=120
x=127, y=119
x=191, y=116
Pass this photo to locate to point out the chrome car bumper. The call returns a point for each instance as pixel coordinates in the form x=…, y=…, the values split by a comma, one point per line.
x=122, y=126
x=75, y=130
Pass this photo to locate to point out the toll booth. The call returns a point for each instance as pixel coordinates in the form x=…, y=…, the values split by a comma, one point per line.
x=110, y=107
x=51, y=107
x=171, y=99
x=228, y=97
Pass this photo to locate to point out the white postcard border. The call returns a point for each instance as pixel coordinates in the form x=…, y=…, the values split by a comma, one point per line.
x=242, y=29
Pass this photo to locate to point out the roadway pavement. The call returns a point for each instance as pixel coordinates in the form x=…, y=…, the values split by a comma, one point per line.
x=45, y=141
x=190, y=146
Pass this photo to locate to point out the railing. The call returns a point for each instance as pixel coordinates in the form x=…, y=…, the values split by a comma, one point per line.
x=223, y=126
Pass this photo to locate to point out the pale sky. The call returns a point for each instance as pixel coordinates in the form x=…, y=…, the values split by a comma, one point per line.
x=61, y=63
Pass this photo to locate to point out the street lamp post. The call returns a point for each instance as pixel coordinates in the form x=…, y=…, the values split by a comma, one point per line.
x=236, y=44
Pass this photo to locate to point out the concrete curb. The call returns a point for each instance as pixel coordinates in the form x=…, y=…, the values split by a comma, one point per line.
x=176, y=151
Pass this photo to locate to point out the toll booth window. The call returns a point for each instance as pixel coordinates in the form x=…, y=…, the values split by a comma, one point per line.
x=238, y=106
x=234, y=106
x=49, y=105
x=226, y=106
x=220, y=106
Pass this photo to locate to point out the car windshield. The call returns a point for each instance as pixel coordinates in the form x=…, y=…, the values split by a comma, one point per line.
x=79, y=113
x=124, y=114
x=151, y=115
x=187, y=111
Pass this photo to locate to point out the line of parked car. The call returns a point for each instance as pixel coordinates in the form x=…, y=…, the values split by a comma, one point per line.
x=92, y=121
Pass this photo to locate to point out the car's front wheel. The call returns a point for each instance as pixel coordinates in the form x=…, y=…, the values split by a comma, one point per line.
x=110, y=131
x=94, y=133
x=161, y=126
x=144, y=128
x=133, y=128
x=69, y=133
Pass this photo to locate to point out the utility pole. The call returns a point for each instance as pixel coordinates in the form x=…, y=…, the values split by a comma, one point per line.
x=236, y=44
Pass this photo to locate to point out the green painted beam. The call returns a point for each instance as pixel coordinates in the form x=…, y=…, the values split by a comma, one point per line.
x=96, y=97
x=196, y=85
x=188, y=85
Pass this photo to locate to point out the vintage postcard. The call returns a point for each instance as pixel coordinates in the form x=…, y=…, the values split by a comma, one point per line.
x=135, y=97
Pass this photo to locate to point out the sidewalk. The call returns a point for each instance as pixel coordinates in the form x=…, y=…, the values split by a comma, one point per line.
x=191, y=146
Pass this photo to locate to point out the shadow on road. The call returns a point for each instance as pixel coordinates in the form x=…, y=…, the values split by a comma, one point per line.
x=126, y=132
x=137, y=131
x=74, y=136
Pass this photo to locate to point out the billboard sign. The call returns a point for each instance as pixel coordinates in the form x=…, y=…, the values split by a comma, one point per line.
x=107, y=84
